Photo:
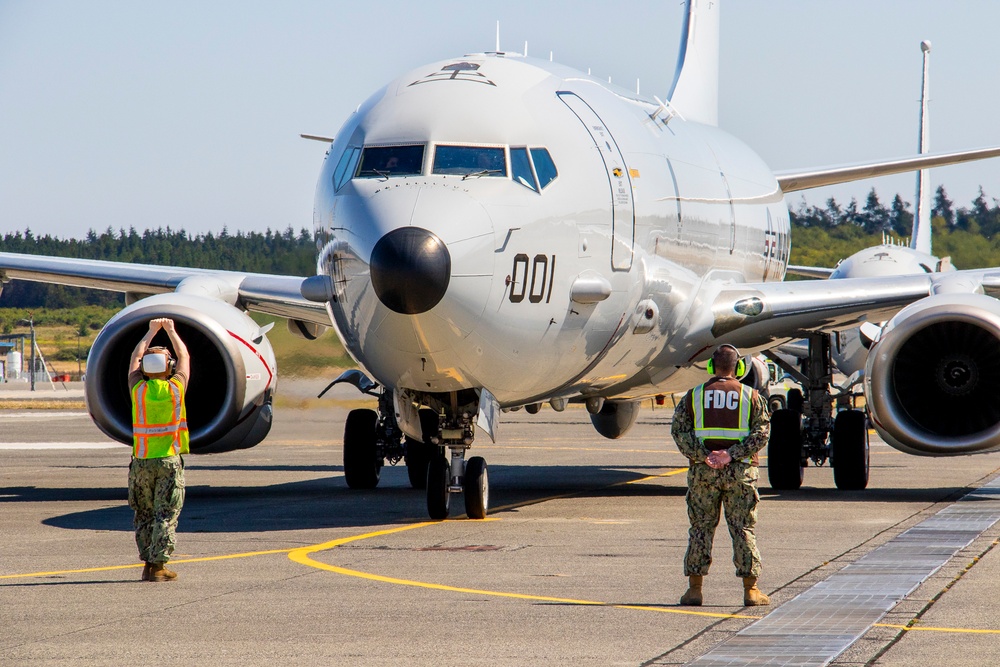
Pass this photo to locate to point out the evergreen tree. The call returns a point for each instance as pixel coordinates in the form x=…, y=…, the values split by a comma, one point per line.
x=943, y=206
x=875, y=217
x=900, y=218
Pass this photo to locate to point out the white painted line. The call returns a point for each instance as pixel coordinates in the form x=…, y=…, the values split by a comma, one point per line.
x=59, y=445
x=40, y=415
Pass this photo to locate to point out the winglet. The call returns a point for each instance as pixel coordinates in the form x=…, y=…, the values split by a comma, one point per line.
x=695, y=91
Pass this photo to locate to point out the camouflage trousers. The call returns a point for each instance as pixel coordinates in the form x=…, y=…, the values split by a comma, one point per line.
x=733, y=488
x=156, y=494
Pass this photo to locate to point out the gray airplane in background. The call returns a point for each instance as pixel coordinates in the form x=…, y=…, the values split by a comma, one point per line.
x=495, y=231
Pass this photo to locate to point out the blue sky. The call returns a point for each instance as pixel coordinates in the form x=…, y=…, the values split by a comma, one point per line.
x=187, y=114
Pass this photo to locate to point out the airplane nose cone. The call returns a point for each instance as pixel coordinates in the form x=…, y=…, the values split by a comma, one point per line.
x=410, y=270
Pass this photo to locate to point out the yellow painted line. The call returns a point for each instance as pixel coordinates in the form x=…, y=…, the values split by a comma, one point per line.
x=302, y=556
x=110, y=568
x=923, y=628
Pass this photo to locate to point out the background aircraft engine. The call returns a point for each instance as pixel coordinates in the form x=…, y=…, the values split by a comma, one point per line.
x=232, y=371
x=932, y=380
x=615, y=418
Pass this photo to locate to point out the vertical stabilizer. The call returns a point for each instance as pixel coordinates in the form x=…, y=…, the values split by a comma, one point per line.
x=921, y=241
x=695, y=92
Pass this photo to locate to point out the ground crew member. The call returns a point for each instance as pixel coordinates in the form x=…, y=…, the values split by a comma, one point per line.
x=159, y=438
x=720, y=426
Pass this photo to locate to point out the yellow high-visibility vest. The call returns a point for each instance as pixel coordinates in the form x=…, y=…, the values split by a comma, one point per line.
x=734, y=402
x=159, y=419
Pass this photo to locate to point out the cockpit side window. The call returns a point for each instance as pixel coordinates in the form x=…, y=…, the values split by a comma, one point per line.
x=346, y=166
x=470, y=161
x=544, y=166
x=520, y=167
x=386, y=161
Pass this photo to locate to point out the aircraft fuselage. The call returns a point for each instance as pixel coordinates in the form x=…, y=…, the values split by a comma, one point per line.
x=567, y=265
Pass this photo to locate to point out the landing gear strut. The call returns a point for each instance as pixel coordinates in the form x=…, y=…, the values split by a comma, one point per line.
x=808, y=431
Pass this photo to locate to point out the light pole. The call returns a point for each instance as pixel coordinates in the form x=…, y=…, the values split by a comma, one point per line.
x=31, y=324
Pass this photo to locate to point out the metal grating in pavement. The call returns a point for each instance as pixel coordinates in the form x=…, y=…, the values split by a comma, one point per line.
x=821, y=623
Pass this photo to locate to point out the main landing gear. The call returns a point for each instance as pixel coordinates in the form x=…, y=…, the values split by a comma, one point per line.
x=807, y=430
x=436, y=462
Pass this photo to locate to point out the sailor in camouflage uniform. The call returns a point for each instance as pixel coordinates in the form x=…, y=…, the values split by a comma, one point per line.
x=160, y=436
x=720, y=426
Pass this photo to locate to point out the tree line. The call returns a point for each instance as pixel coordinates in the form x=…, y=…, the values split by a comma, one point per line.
x=821, y=236
x=285, y=253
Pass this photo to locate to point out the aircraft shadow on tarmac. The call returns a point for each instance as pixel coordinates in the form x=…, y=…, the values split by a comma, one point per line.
x=328, y=503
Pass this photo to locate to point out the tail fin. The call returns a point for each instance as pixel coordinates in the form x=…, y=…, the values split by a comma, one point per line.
x=695, y=92
x=921, y=240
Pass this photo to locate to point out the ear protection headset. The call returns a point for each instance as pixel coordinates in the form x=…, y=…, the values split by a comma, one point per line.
x=741, y=365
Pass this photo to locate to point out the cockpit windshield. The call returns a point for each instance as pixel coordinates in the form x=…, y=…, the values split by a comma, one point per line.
x=470, y=161
x=386, y=161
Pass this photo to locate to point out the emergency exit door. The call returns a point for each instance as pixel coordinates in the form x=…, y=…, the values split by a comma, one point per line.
x=619, y=181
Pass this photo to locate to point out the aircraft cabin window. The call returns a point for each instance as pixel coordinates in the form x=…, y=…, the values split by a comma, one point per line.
x=470, y=161
x=345, y=168
x=386, y=161
x=544, y=167
x=520, y=167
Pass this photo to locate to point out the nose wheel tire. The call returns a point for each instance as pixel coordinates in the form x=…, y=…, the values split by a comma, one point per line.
x=438, y=493
x=476, y=488
x=362, y=466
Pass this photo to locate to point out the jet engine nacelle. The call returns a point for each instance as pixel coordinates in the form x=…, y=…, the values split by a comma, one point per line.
x=931, y=380
x=615, y=418
x=233, y=372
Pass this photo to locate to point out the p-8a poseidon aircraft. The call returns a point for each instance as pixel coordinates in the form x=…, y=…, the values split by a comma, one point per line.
x=497, y=232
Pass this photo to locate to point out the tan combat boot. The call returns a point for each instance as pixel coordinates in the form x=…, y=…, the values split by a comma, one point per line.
x=157, y=572
x=692, y=598
x=145, y=571
x=753, y=596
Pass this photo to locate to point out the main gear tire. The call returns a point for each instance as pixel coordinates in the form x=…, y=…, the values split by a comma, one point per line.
x=419, y=453
x=362, y=465
x=476, y=488
x=784, y=451
x=850, y=452
x=795, y=400
x=438, y=488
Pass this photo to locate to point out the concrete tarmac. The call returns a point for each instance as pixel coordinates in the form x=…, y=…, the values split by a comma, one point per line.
x=579, y=562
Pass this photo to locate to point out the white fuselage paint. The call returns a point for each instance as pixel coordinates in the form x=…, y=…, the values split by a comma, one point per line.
x=689, y=204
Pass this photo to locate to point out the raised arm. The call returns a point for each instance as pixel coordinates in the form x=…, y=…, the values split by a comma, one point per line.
x=143, y=345
x=180, y=349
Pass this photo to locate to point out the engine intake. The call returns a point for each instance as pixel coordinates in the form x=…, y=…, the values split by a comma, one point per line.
x=933, y=378
x=232, y=371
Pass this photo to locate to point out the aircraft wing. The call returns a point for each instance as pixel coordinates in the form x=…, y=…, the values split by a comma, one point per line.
x=264, y=293
x=809, y=271
x=792, y=181
x=761, y=314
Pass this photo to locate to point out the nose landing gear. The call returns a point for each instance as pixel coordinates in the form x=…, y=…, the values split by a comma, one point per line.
x=453, y=474
x=435, y=462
